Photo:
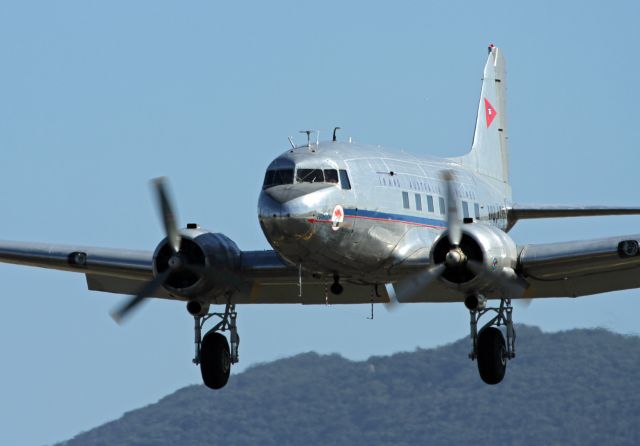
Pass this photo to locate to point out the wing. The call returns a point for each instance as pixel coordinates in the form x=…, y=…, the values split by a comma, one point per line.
x=266, y=277
x=580, y=268
x=271, y=280
x=120, y=271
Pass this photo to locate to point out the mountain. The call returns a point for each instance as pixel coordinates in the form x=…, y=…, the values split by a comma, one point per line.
x=573, y=387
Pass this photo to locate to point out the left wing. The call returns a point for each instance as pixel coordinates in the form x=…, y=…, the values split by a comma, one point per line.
x=580, y=268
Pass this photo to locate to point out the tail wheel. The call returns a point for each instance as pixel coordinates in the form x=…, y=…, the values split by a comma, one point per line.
x=492, y=355
x=215, y=360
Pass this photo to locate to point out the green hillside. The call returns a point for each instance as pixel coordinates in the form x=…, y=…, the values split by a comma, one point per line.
x=578, y=387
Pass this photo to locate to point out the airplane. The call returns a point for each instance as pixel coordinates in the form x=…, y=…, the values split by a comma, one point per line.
x=361, y=224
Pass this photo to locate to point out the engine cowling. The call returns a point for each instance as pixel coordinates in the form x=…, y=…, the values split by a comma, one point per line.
x=484, y=244
x=209, y=264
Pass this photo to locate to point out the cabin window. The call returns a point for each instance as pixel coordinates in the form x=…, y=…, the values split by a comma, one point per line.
x=418, y=202
x=276, y=177
x=429, y=203
x=309, y=176
x=476, y=210
x=405, y=200
x=442, y=208
x=331, y=176
x=344, y=180
x=465, y=209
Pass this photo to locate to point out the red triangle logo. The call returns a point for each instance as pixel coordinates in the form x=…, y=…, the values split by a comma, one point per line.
x=489, y=112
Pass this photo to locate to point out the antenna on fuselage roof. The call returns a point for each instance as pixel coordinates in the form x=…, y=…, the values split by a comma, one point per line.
x=293, y=146
x=335, y=130
x=308, y=133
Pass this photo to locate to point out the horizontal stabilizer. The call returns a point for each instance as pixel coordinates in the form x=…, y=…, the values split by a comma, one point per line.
x=525, y=212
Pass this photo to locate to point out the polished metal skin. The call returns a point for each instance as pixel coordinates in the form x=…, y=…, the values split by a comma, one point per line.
x=378, y=237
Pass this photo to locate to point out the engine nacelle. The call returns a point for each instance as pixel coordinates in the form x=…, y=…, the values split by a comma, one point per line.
x=481, y=243
x=211, y=263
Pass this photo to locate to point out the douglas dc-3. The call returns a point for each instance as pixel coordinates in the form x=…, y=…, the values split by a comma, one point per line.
x=359, y=224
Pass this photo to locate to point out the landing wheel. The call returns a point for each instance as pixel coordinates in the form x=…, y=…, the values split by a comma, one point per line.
x=492, y=355
x=336, y=288
x=215, y=360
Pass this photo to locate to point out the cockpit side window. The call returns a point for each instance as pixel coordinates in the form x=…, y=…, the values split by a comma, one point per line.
x=331, y=176
x=344, y=180
x=268, y=179
x=277, y=177
x=310, y=176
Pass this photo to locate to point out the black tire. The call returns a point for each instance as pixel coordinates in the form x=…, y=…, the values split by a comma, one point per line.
x=336, y=289
x=215, y=360
x=492, y=351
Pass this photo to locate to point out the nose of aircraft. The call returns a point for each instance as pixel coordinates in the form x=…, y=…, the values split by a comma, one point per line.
x=283, y=219
x=287, y=192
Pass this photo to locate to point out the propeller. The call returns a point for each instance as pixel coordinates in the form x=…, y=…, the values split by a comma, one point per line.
x=412, y=287
x=401, y=291
x=176, y=262
x=453, y=220
x=133, y=302
x=166, y=209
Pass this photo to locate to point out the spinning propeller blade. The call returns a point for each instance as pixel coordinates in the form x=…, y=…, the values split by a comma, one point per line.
x=413, y=286
x=453, y=218
x=133, y=302
x=173, y=236
x=166, y=212
x=508, y=281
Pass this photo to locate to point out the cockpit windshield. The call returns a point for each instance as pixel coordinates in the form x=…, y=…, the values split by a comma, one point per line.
x=309, y=176
x=277, y=177
x=317, y=176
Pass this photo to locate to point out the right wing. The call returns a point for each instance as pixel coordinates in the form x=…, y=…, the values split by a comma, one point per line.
x=580, y=268
x=266, y=277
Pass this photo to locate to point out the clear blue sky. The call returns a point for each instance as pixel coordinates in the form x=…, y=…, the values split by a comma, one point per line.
x=99, y=97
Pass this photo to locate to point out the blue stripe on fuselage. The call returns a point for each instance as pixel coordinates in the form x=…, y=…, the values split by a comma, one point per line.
x=393, y=218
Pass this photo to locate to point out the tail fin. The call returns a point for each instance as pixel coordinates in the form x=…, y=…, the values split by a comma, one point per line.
x=489, y=154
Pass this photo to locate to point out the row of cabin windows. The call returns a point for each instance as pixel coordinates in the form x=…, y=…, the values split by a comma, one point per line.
x=421, y=185
x=441, y=205
x=277, y=177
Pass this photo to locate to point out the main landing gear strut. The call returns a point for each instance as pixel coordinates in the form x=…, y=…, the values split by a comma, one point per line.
x=489, y=346
x=213, y=353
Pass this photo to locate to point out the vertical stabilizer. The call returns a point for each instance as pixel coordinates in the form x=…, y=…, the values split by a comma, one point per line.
x=489, y=154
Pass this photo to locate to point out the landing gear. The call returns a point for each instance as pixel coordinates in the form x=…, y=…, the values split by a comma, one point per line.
x=215, y=360
x=336, y=288
x=492, y=361
x=489, y=345
x=213, y=353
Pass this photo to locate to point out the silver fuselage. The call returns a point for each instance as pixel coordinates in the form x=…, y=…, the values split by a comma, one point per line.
x=389, y=223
